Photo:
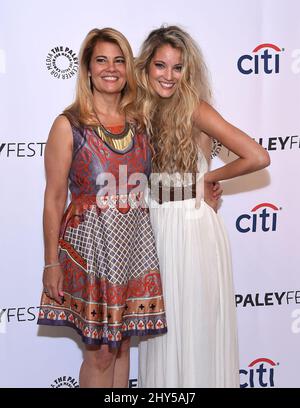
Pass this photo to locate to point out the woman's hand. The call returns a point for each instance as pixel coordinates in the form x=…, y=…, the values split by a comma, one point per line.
x=212, y=194
x=53, y=283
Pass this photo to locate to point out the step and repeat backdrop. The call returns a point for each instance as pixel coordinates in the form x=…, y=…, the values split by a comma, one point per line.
x=252, y=50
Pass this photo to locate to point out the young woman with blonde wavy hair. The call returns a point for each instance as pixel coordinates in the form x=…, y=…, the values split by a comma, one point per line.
x=200, y=348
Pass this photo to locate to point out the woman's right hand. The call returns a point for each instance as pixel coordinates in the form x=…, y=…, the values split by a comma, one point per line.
x=212, y=194
x=53, y=283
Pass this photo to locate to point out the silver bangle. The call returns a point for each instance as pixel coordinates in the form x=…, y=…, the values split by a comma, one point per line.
x=51, y=265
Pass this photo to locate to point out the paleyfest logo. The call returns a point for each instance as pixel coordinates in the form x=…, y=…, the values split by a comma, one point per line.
x=21, y=149
x=280, y=143
x=62, y=62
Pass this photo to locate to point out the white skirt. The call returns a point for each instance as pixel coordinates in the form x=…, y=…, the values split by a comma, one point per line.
x=200, y=348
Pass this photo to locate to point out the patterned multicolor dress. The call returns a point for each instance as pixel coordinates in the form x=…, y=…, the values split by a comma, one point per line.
x=112, y=285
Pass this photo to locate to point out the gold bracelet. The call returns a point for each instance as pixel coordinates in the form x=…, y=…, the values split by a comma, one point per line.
x=51, y=265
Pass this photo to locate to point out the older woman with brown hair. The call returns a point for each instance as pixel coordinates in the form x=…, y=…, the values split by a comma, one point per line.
x=101, y=274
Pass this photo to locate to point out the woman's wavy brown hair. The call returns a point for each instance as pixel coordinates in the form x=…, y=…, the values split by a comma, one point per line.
x=169, y=121
x=81, y=111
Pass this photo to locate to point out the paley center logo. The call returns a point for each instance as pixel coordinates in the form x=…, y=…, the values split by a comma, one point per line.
x=65, y=382
x=265, y=58
x=71, y=382
x=262, y=217
x=62, y=62
x=216, y=148
x=259, y=373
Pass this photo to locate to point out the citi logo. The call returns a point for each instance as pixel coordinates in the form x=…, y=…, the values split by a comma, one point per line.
x=260, y=373
x=263, y=217
x=266, y=61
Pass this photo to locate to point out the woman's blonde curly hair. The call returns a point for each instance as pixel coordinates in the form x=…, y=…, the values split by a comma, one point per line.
x=169, y=122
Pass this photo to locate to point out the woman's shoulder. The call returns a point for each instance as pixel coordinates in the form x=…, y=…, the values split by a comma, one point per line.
x=205, y=116
x=61, y=131
x=62, y=123
x=203, y=108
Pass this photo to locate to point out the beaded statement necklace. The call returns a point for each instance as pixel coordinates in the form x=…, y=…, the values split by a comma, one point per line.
x=118, y=142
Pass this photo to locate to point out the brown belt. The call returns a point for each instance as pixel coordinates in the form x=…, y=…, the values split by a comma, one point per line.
x=162, y=194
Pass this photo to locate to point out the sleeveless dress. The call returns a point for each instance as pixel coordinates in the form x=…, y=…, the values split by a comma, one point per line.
x=112, y=285
x=200, y=349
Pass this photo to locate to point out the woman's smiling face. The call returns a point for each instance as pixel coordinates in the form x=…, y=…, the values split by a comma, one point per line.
x=165, y=70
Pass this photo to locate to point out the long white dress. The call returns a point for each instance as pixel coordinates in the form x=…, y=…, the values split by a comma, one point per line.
x=200, y=348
